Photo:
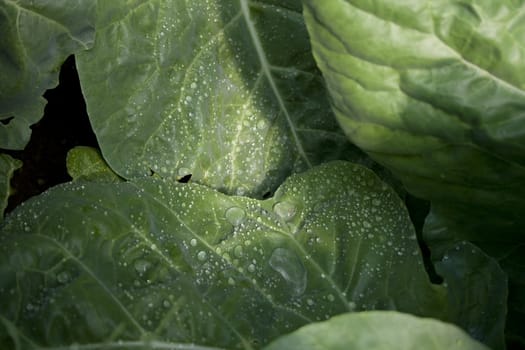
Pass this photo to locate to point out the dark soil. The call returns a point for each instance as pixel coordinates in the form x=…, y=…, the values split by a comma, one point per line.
x=65, y=124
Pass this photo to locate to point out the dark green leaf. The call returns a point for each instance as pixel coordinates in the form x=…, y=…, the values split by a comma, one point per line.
x=37, y=36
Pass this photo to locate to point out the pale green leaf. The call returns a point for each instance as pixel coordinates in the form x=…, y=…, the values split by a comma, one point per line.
x=377, y=330
x=86, y=163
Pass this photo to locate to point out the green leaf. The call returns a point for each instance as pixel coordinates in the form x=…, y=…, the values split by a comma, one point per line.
x=224, y=90
x=86, y=163
x=8, y=165
x=377, y=330
x=159, y=261
x=37, y=36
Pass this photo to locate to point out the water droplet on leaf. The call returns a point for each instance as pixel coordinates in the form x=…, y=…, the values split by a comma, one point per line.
x=238, y=252
x=141, y=266
x=202, y=255
x=285, y=210
x=235, y=215
x=291, y=268
x=63, y=277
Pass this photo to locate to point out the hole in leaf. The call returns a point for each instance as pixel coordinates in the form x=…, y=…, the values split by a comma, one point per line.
x=267, y=194
x=65, y=124
x=7, y=120
x=185, y=179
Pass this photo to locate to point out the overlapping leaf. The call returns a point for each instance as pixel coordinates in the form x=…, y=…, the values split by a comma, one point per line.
x=86, y=164
x=157, y=261
x=224, y=90
x=37, y=36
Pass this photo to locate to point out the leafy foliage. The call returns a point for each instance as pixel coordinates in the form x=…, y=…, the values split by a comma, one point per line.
x=271, y=234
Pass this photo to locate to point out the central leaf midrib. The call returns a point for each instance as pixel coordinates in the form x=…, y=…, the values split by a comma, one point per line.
x=266, y=68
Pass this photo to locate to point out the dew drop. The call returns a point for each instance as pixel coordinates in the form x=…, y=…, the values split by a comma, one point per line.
x=202, y=255
x=193, y=242
x=261, y=124
x=291, y=268
x=330, y=297
x=238, y=251
x=141, y=266
x=166, y=303
x=63, y=277
x=285, y=210
x=235, y=215
x=251, y=268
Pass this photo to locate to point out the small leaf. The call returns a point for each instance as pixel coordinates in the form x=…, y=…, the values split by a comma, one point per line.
x=8, y=165
x=86, y=163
